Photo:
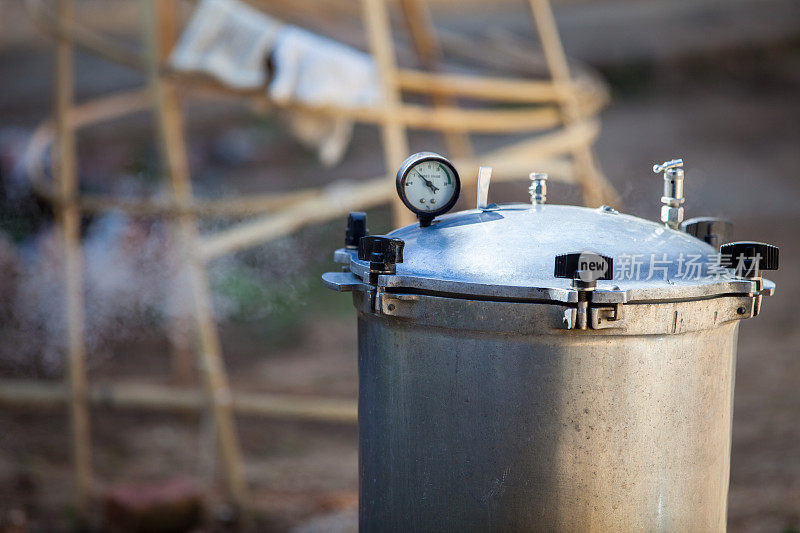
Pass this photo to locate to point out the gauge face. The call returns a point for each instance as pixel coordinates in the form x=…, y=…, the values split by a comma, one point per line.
x=428, y=184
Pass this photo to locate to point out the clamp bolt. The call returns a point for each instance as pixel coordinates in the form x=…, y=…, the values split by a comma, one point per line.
x=748, y=259
x=584, y=269
x=382, y=253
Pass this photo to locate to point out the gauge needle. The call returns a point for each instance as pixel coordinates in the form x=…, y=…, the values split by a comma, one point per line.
x=429, y=183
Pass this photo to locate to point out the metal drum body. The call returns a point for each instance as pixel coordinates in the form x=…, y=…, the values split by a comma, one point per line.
x=483, y=405
x=499, y=425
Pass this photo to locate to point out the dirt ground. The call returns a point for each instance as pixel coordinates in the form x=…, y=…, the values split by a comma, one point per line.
x=733, y=116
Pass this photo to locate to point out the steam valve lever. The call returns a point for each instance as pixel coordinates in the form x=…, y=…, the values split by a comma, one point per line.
x=672, y=201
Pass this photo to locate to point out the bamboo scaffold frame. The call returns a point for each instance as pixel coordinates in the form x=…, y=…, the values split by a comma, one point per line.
x=560, y=112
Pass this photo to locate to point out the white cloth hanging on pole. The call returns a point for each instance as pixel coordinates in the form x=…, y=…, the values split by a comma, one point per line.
x=232, y=42
x=228, y=40
x=319, y=71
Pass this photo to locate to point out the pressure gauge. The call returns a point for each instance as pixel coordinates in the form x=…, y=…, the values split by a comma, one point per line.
x=429, y=185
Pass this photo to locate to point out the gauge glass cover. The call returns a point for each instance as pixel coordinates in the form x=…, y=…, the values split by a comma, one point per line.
x=429, y=187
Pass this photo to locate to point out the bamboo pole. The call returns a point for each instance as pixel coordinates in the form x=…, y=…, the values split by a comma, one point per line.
x=337, y=201
x=422, y=117
x=21, y=394
x=395, y=143
x=69, y=218
x=213, y=370
x=60, y=28
x=476, y=120
x=237, y=207
x=420, y=26
x=167, y=28
x=179, y=325
x=487, y=88
x=596, y=189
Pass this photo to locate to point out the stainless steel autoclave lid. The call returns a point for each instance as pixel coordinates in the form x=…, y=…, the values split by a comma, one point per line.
x=509, y=252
